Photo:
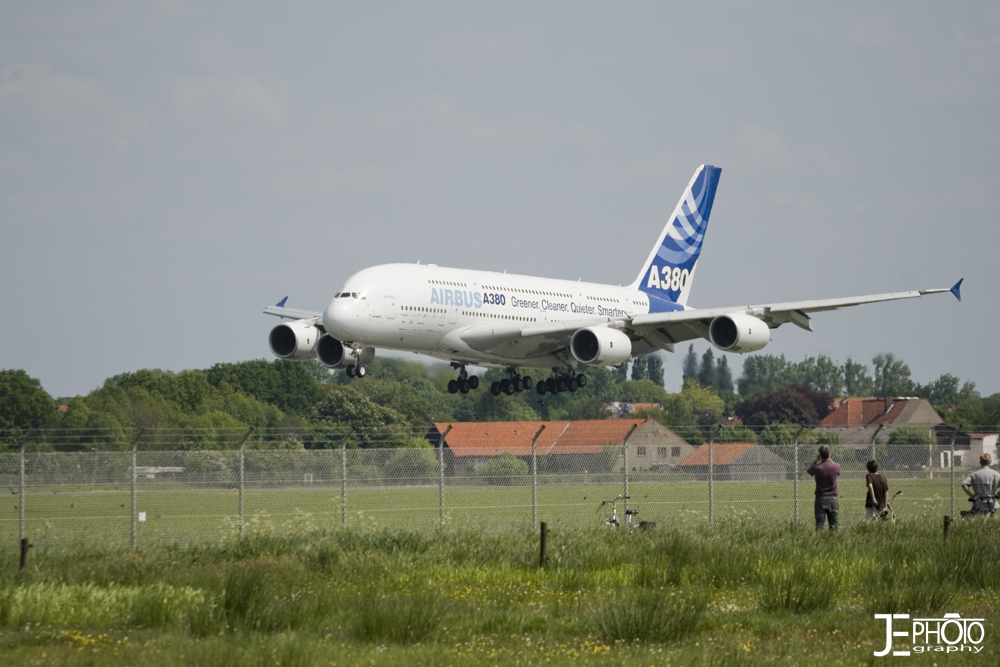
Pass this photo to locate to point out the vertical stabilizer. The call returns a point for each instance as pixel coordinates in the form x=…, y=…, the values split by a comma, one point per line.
x=668, y=273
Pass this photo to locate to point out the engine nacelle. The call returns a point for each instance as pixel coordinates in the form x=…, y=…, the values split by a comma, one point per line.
x=333, y=353
x=295, y=341
x=595, y=346
x=739, y=332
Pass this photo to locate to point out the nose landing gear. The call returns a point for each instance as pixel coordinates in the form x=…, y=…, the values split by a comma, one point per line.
x=356, y=371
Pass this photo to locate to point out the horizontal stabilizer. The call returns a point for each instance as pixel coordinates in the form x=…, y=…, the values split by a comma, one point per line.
x=957, y=289
x=291, y=313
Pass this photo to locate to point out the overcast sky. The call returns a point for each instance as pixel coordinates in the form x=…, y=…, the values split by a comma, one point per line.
x=167, y=169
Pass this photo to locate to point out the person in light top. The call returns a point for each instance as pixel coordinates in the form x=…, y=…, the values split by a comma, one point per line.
x=982, y=486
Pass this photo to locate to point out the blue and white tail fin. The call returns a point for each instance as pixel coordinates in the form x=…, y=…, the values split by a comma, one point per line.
x=668, y=273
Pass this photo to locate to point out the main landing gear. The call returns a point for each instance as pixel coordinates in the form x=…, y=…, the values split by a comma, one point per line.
x=511, y=384
x=356, y=371
x=562, y=382
x=463, y=383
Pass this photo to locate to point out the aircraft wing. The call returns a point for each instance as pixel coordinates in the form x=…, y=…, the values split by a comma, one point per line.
x=687, y=324
x=291, y=313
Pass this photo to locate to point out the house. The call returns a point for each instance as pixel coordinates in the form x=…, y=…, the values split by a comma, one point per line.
x=736, y=461
x=856, y=420
x=968, y=447
x=562, y=447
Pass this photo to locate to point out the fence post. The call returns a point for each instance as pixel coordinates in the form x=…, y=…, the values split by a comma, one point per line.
x=343, y=477
x=795, y=479
x=625, y=454
x=242, y=476
x=542, y=544
x=441, y=473
x=534, y=484
x=135, y=533
x=874, y=438
x=931, y=441
x=953, y=434
x=711, y=475
x=21, y=494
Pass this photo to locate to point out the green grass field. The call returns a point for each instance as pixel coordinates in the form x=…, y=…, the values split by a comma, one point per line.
x=742, y=593
x=176, y=513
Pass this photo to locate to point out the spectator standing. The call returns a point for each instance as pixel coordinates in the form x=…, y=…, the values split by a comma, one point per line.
x=827, y=507
x=982, y=487
x=878, y=490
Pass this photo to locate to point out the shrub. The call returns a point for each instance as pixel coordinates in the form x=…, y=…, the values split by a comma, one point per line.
x=505, y=470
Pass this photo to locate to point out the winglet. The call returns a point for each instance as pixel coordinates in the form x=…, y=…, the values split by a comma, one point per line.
x=956, y=290
x=281, y=304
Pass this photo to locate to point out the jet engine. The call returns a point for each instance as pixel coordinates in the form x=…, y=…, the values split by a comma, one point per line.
x=595, y=346
x=333, y=353
x=295, y=341
x=739, y=332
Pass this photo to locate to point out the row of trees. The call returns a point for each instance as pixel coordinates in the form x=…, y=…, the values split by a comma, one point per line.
x=766, y=375
x=303, y=404
x=288, y=404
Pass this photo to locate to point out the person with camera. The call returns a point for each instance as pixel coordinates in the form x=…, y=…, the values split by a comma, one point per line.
x=981, y=487
x=827, y=507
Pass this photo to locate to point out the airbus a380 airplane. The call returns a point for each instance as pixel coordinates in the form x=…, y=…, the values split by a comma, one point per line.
x=516, y=322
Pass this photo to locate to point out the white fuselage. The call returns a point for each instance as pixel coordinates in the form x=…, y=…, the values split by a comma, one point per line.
x=426, y=309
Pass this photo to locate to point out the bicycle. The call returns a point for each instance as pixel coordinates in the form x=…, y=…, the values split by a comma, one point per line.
x=889, y=514
x=613, y=519
x=981, y=506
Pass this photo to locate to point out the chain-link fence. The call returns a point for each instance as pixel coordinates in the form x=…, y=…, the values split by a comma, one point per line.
x=63, y=489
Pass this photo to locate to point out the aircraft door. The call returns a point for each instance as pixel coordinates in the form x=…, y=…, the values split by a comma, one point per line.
x=390, y=308
x=453, y=317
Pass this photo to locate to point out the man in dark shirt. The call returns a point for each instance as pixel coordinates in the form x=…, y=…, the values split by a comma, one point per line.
x=877, y=489
x=826, y=472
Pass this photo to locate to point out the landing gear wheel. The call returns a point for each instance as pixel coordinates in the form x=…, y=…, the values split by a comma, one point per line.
x=581, y=380
x=518, y=384
x=361, y=371
x=474, y=382
x=452, y=386
x=550, y=386
x=540, y=388
x=350, y=371
x=495, y=388
x=571, y=383
x=509, y=389
x=463, y=385
x=528, y=382
x=561, y=385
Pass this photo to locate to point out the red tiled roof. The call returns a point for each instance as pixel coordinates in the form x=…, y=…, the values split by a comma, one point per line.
x=723, y=453
x=865, y=412
x=562, y=437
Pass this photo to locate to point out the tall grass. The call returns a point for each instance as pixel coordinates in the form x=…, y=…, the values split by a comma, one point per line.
x=400, y=619
x=704, y=596
x=650, y=616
